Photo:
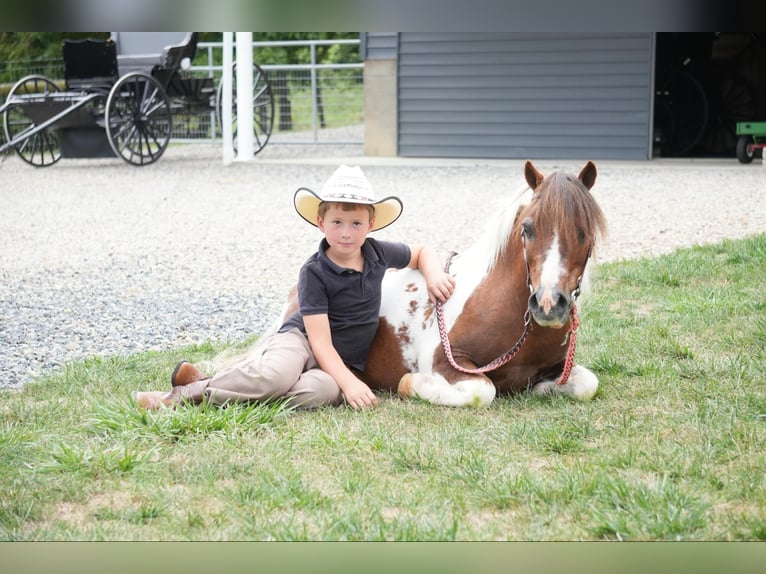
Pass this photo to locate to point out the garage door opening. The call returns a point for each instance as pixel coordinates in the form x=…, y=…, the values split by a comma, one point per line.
x=705, y=83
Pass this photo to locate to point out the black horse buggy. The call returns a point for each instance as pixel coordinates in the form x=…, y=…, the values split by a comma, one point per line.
x=119, y=100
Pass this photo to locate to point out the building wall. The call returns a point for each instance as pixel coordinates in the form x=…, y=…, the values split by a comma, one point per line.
x=511, y=95
x=379, y=45
x=379, y=53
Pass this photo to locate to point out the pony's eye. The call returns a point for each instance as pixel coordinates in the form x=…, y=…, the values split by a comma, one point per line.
x=528, y=229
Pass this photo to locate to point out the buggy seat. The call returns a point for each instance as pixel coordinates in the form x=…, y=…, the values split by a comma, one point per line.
x=151, y=52
x=89, y=65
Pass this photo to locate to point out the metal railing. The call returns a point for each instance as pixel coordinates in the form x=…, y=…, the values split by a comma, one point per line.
x=314, y=102
x=14, y=70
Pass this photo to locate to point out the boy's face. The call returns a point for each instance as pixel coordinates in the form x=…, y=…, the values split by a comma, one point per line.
x=346, y=230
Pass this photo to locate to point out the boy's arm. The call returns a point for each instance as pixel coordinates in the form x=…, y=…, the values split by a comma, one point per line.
x=440, y=284
x=357, y=393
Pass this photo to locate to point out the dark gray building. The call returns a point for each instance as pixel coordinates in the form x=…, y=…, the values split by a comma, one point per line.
x=545, y=95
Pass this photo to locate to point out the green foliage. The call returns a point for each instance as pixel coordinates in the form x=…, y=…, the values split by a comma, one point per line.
x=301, y=54
x=38, y=45
x=47, y=45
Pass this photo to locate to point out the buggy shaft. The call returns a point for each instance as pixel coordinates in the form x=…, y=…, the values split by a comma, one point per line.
x=23, y=136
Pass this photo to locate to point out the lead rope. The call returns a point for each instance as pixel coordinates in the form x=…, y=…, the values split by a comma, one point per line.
x=499, y=361
x=513, y=351
x=572, y=338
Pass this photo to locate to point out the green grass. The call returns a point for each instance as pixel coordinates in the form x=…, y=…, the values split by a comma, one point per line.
x=343, y=104
x=671, y=448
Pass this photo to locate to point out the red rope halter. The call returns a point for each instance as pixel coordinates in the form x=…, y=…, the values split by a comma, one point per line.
x=513, y=351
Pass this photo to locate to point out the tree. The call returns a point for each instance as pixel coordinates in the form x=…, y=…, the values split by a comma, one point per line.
x=38, y=45
x=30, y=46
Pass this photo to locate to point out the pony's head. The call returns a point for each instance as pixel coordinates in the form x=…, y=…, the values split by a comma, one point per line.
x=558, y=230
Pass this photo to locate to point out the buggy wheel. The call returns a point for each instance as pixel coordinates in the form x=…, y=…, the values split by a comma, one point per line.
x=43, y=148
x=263, y=107
x=745, y=150
x=681, y=112
x=138, y=119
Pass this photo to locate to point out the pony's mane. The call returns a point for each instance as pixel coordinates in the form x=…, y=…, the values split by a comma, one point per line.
x=563, y=197
x=493, y=241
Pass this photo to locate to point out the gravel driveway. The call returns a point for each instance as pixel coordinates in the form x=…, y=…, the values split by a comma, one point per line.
x=98, y=257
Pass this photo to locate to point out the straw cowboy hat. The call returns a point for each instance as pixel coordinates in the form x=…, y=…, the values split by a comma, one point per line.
x=348, y=185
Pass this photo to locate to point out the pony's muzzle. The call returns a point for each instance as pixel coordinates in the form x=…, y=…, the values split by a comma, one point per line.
x=550, y=307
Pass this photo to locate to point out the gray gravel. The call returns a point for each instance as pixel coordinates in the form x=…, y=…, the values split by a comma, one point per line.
x=98, y=257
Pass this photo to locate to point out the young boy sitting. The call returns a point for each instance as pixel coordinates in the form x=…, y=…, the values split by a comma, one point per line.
x=314, y=357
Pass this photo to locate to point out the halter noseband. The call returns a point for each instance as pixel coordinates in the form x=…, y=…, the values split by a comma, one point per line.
x=505, y=358
x=575, y=292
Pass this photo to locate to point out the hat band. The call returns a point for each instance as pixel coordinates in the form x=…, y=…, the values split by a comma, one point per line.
x=346, y=196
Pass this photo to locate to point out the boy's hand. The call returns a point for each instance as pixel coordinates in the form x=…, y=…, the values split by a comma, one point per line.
x=358, y=394
x=440, y=287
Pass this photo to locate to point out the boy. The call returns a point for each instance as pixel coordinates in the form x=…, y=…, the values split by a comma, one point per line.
x=313, y=358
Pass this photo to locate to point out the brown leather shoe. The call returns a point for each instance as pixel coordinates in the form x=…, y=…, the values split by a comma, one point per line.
x=192, y=393
x=186, y=373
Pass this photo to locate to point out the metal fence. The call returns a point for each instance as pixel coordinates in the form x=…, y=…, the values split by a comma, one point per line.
x=314, y=102
x=12, y=71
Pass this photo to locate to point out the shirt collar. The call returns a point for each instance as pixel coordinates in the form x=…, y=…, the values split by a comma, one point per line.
x=368, y=252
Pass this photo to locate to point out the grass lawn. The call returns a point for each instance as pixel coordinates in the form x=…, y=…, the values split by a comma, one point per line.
x=342, y=105
x=671, y=448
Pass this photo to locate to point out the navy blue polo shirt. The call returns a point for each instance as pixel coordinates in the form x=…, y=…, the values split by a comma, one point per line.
x=350, y=299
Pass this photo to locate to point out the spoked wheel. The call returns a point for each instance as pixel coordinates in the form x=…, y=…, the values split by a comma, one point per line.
x=138, y=119
x=681, y=112
x=42, y=148
x=263, y=107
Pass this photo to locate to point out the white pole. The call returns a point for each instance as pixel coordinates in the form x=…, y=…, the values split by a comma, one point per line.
x=245, y=145
x=314, y=90
x=226, y=81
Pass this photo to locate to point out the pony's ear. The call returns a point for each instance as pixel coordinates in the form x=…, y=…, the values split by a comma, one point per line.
x=588, y=174
x=534, y=178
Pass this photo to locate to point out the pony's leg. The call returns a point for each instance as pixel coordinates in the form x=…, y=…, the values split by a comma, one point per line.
x=582, y=384
x=469, y=392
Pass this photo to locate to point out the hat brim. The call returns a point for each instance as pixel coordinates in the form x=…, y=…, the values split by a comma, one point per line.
x=387, y=210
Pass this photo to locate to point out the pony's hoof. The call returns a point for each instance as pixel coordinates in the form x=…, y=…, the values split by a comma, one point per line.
x=404, y=389
x=544, y=388
x=581, y=385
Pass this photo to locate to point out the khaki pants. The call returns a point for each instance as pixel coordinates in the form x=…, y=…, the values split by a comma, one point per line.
x=284, y=367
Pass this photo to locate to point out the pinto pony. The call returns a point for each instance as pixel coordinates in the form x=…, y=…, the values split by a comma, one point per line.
x=511, y=322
